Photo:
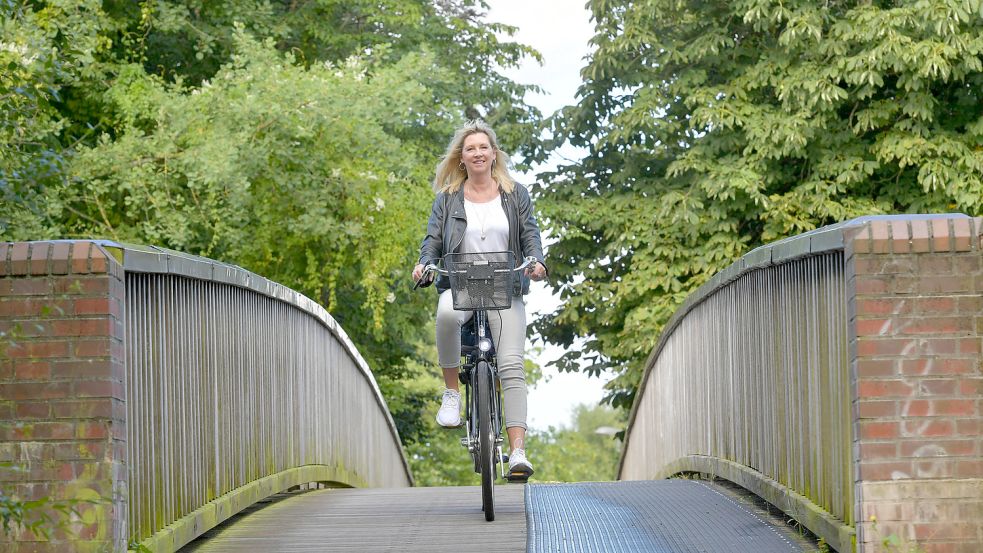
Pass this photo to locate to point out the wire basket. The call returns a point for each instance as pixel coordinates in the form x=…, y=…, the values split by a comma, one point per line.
x=481, y=280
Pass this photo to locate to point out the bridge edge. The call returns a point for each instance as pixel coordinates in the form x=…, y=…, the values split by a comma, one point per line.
x=897, y=234
x=815, y=242
x=838, y=535
x=186, y=529
x=154, y=259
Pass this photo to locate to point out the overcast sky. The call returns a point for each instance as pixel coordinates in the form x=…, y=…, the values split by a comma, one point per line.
x=560, y=31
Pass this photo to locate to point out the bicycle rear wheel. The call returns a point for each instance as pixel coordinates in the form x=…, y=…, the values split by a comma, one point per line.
x=484, y=387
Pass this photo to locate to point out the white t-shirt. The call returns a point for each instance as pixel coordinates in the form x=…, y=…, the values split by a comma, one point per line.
x=488, y=227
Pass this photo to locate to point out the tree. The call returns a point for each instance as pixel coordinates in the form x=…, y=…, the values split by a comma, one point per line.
x=41, y=51
x=715, y=127
x=191, y=40
x=585, y=452
x=257, y=168
x=296, y=139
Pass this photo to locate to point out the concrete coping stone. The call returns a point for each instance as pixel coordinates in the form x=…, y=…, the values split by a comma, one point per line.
x=733, y=271
x=789, y=249
x=758, y=258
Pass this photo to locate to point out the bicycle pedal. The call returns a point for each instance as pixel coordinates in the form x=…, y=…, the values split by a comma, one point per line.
x=505, y=459
x=451, y=427
x=518, y=477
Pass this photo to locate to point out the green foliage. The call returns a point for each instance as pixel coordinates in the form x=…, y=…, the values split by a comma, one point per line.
x=191, y=40
x=257, y=167
x=576, y=454
x=41, y=51
x=38, y=516
x=437, y=457
x=714, y=127
x=892, y=542
x=287, y=171
x=138, y=547
x=586, y=452
x=440, y=459
x=294, y=139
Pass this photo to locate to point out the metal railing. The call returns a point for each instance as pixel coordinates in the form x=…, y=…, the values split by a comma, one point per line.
x=231, y=379
x=751, y=377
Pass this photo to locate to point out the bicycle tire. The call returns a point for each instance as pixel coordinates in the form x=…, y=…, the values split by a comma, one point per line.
x=484, y=387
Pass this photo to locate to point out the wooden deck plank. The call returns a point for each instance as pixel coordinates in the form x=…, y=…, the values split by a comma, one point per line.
x=402, y=519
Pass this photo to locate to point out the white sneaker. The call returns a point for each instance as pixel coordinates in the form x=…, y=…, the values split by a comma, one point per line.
x=449, y=415
x=519, y=464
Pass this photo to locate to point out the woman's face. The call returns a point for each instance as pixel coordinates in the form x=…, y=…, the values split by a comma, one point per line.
x=477, y=153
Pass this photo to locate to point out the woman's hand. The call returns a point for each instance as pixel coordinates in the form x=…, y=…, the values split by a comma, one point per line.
x=418, y=272
x=536, y=272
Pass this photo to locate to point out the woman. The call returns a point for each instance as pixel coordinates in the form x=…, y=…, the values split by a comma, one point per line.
x=479, y=208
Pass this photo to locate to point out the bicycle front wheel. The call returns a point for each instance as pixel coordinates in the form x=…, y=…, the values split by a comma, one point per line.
x=484, y=387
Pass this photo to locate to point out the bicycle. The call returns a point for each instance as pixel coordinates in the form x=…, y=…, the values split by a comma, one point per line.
x=481, y=282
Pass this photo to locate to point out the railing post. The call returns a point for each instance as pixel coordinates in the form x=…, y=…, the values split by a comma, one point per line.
x=62, y=391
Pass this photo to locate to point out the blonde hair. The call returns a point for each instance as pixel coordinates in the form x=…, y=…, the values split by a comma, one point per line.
x=451, y=174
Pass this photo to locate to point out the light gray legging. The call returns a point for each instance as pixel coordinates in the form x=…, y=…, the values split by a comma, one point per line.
x=508, y=328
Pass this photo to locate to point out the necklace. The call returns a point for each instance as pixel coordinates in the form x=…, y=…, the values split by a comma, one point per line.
x=478, y=212
x=480, y=209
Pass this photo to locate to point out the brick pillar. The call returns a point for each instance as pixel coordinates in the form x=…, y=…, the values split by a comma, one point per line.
x=919, y=385
x=62, y=390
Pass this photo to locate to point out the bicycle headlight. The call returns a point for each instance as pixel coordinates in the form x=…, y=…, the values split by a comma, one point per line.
x=484, y=344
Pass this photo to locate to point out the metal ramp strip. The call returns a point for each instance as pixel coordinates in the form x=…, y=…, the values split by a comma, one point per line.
x=665, y=516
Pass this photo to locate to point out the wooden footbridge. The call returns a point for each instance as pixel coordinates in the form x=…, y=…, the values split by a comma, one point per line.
x=668, y=516
x=177, y=400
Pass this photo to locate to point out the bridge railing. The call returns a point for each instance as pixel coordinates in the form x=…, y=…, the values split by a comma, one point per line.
x=212, y=388
x=762, y=378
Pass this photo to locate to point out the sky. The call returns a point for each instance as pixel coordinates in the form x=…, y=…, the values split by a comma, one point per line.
x=560, y=31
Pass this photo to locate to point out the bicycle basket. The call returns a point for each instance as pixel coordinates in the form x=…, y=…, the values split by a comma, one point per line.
x=481, y=280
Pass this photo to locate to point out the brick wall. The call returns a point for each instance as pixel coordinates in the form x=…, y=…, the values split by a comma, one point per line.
x=919, y=385
x=62, y=391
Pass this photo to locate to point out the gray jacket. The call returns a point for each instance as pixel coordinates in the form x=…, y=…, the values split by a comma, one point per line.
x=445, y=231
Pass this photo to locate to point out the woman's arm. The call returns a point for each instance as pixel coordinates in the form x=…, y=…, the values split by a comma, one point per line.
x=529, y=236
x=433, y=242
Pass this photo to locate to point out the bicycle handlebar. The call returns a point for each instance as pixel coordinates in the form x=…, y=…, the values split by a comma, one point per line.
x=430, y=269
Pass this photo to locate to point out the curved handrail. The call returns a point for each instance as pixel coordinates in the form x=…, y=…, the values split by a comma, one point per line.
x=239, y=388
x=750, y=381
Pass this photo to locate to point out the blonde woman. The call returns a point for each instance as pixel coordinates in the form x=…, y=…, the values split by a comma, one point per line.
x=479, y=208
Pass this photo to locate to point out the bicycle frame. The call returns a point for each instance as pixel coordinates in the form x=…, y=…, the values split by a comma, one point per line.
x=483, y=439
x=474, y=355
